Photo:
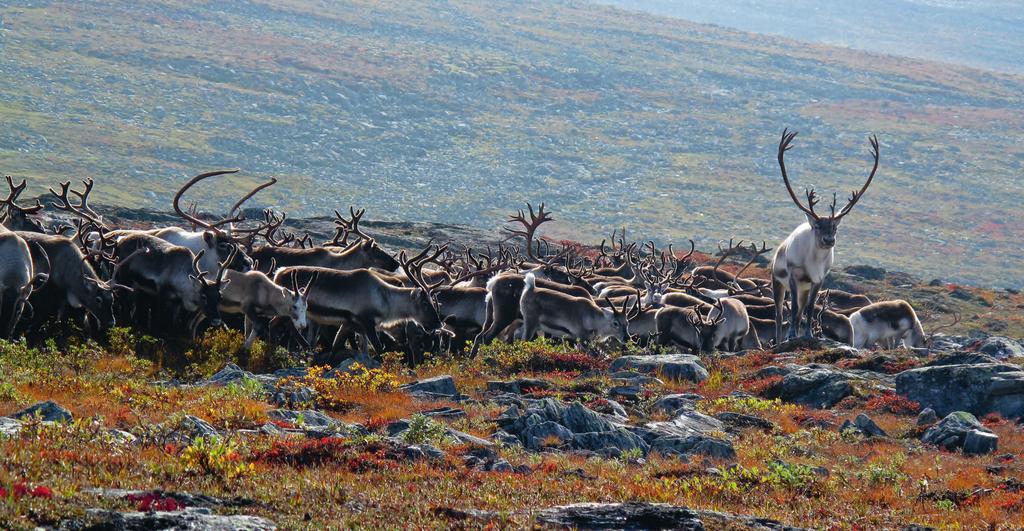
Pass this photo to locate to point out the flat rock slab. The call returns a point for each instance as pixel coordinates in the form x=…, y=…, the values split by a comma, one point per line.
x=48, y=411
x=190, y=518
x=648, y=516
x=677, y=367
x=438, y=386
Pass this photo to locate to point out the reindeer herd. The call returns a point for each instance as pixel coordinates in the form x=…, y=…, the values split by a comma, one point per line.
x=349, y=294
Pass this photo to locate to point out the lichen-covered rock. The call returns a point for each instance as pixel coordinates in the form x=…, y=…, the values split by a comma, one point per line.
x=977, y=388
x=962, y=431
x=669, y=404
x=677, y=367
x=814, y=385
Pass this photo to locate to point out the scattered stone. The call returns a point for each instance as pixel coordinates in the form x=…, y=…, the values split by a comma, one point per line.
x=192, y=428
x=927, y=417
x=961, y=431
x=306, y=418
x=547, y=434
x=518, y=386
x=9, y=427
x=189, y=518
x=424, y=451
x=230, y=374
x=442, y=386
x=690, y=433
x=977, y=388
x=676, y=367
x=48, y=411
x=864, y=426
x=669, y=404
x=639, y=515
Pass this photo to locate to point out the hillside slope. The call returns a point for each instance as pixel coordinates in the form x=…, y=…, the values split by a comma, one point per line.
x=979, y=33
x=459, y=111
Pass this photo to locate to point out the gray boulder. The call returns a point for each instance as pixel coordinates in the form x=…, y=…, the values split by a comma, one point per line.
x=979, y=389
x=815, y=385
x=48, y=411
x=961, y=431
x=437, y=386
x=669, y=404
x=189, y=518
x=863, y=425
x=9, y=427
x=927, y=417
x=308, y=418
x=677, y=367
x=546, y=434
x=230, y=374
x=1000, y=348
x=691, y=432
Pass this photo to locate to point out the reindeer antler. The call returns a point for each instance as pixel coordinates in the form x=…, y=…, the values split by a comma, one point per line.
x=529, y=227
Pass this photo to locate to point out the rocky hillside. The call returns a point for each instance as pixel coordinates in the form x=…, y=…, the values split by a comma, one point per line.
x=456, y=112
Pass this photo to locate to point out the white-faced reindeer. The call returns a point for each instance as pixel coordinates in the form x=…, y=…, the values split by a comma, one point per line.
x=803, y=259
x=563, y=316
x=254, y=295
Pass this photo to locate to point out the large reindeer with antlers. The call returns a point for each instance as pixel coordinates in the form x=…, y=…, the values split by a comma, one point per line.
x=803, y=259
x=17, y=217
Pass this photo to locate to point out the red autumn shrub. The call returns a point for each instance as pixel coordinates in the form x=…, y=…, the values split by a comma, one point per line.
x=761, y=386
x=154, y=501
x=890, y=402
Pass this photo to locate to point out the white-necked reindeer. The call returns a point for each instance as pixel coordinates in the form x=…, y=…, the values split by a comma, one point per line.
x=803, y=260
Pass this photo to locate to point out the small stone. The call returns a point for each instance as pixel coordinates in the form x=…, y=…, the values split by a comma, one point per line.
x=927, y=417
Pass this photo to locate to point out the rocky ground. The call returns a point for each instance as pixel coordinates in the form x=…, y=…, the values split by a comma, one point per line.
x=138, y=433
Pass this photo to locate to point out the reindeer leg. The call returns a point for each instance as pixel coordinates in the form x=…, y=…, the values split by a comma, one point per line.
x=794, y=296
x=812, y=296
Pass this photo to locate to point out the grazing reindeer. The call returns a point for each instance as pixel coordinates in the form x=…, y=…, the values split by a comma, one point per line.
x=802, y=261
x=727, y=327
x=504, y=292
x=215, y=243
x=678, y=326
x=567, y=317
x=888, y=323
x=73, y=283
x=362, y=299
x=171, y=271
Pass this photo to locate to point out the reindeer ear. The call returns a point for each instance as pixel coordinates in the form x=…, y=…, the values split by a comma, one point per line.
x=810, y=219
x=208, y=237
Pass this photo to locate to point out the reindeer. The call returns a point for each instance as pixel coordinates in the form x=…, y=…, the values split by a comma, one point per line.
x=727, y=326
x=504, y=292
x=803, y=260
x=567, y=317
x=255, y=296
x=18, y=277
x=362, y=299
x=171, y=272
x=73, y=283
x=889, y=323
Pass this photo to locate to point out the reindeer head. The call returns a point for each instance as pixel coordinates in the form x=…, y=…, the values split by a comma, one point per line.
x=424, y=305
x=617, y=320
x=300, y=302
x=706, y=326
x=17, y=217
x=207, y=292
x=824, y=227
